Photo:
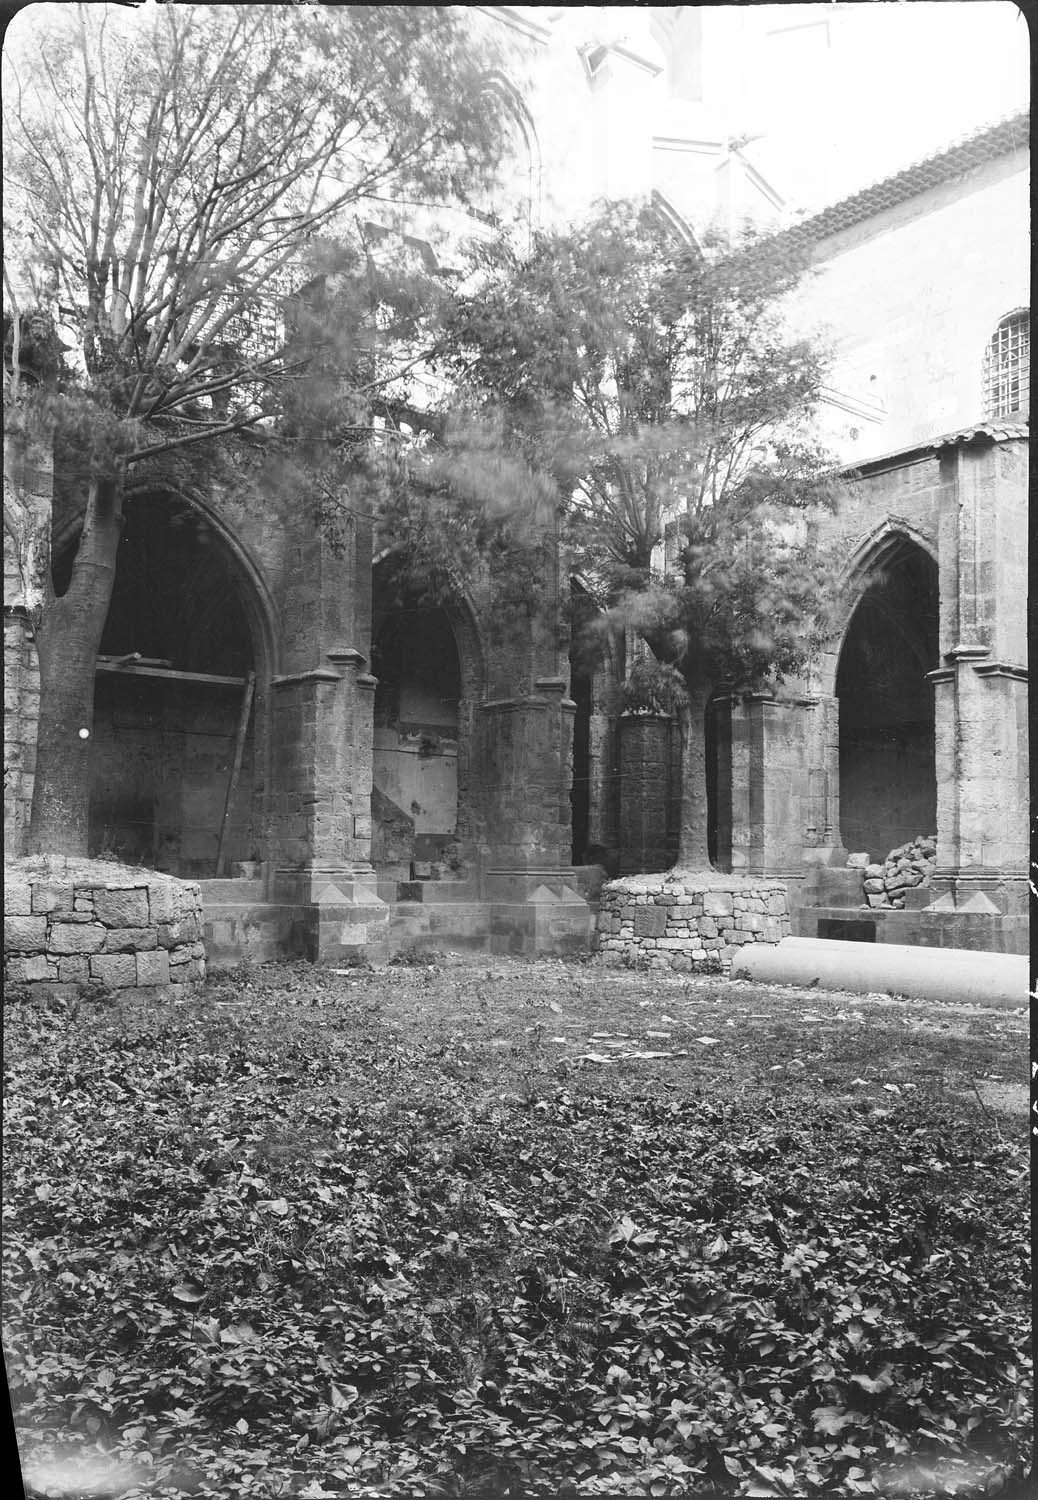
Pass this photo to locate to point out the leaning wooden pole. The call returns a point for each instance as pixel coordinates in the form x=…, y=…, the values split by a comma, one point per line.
x=239, y=751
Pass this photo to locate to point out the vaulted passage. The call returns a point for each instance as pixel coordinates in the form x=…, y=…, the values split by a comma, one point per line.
x=888, y=791
x=415, y=770
x=169, y=727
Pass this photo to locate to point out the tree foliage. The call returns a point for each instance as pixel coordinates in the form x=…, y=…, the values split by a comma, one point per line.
x=658, y=384
x=168, y=180
x=165, y=169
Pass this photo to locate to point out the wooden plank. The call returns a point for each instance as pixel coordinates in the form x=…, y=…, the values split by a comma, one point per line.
x=239, y=751
x=131, y=670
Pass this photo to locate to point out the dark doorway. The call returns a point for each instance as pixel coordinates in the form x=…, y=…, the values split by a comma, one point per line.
x=415, y=767
x=888, y=788
x=719, y=781
x=164, y=743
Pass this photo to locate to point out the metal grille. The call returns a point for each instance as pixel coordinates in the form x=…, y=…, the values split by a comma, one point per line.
x=1007, y=367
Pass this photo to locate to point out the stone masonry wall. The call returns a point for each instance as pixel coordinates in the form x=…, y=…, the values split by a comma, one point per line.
x=688, y=922
x=21, y=713
x=87, y=922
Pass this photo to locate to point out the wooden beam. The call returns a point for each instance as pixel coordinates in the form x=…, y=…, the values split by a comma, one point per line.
x=130, y=669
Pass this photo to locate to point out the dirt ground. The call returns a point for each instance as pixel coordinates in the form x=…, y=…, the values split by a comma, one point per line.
x=690, y=1033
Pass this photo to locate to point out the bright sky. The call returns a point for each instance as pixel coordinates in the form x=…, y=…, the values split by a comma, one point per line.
x=847, y=94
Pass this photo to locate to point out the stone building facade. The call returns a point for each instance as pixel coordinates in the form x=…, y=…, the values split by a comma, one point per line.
x=348, y=775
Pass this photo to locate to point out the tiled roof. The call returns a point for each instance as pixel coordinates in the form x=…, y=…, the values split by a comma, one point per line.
x=1000, y=431
x=984, y=145
x=996, y=432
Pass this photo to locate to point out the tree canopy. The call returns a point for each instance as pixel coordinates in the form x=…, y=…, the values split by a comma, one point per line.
x=170, y=172
x=658, y=383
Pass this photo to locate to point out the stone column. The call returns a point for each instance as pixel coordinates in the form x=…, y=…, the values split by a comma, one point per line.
x=322, y=733
x=783, y=783
x=525, y=747
x=645, y=777
x=28, y=498
x=980, y=690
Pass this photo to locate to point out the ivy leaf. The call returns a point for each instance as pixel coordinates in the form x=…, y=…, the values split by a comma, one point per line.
x=189, y=1292
x=831, y=1420
x=277, y=1206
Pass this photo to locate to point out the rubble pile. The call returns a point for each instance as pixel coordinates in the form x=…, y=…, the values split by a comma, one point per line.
x=905, y=867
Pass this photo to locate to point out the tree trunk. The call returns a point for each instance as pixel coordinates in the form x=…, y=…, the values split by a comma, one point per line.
x=693, y=838
x=67, y=643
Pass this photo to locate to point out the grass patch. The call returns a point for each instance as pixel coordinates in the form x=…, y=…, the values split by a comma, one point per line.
x=461, y=1229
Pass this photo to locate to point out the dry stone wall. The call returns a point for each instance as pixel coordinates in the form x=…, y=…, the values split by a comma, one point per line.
x=688, y=921
x=88, y=922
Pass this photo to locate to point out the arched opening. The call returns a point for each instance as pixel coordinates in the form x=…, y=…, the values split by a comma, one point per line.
x=888, y=789
x=418, y=701
x=517, y=197
x=174, y=778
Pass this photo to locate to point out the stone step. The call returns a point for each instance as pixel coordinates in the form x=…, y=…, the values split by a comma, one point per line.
x=832, y=886
x=233, y=892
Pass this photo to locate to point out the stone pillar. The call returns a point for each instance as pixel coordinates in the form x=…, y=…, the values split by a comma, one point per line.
x=28, y=498
x=645, y=792
x=322, y=757
x=980, y=707
x=980, y=690
x=822, y=844
x=525, y=754
x=526, y=867
x=783, y=783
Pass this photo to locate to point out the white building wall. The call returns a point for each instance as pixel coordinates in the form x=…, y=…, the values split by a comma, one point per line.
x=910, y=299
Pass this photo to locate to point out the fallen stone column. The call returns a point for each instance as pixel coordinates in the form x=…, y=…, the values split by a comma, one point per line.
x=960, y=975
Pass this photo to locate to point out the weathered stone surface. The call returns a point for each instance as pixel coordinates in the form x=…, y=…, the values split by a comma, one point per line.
x=75, y=969
x=76, y=937
x=17, y=896
x=117, y=970
x=25, y=934
x=160, y=902
x=153, y=967
x=650, y=921
x=50, y=898
x=718, y=904
x=31, y=968
x=122, y=908
x=131, y=939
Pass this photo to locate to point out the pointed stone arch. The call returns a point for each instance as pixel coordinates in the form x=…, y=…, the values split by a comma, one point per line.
x=888, y=644
x=188, y=594
x=431, y=665
x=508, y=96
x=870, y=554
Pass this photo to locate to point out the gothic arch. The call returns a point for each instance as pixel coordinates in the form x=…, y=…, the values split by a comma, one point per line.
x=430, y=663
x=880, y=549
x=253, y=591
x=888, y=646
x=464, y=621
x=517, y=112
x=180, y=778
x=672, y=220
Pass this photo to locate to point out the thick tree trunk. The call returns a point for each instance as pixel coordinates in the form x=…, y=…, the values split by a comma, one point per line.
x=67, y=643
x=693, y=839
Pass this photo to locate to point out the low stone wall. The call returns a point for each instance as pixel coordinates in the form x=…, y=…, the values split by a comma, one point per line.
x=688, y=921
x=88, y=922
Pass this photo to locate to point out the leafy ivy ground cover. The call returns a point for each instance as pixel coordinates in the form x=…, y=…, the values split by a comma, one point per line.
x=385, y=1234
